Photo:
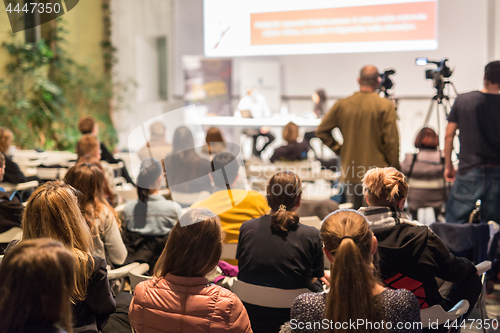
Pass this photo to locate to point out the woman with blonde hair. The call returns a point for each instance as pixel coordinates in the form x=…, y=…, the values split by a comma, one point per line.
x=52, y=212
x=179, y=297
x=276, y=250
x=410, y=250
x=355, y=293
x=99, y=215
x=36, y=284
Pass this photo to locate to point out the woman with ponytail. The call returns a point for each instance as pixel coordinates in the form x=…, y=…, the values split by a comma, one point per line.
x=355, y=293
x=412, y=250
x=149, y=219
x=277, y=251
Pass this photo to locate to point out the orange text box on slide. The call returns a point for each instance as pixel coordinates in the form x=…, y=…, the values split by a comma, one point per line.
x=406, y=21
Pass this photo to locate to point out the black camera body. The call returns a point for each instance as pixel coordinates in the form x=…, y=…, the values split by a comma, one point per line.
x=385, y=80
x=442, y=69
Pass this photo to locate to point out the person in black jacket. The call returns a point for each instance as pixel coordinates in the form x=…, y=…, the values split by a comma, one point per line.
x=13, y=173
x=410, y=253
x=88, y=125
x=11, y=207
x=293, y=150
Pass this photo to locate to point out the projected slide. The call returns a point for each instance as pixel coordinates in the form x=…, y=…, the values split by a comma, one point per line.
x=277, y=27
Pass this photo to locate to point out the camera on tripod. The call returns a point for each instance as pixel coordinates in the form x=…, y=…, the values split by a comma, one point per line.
x=438, y=74
x=442, y=70
x=385, y=82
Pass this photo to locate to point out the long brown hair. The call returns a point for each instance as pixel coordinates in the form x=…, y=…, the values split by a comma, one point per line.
x=105, y=187
x=194, y=245
x=290, y=132
x=215, y=141
x=385, y=186
x=284, y=191
x=52, y=212
x=89, y=179
x=427, y=138
x=347, y=236
x=36, y=284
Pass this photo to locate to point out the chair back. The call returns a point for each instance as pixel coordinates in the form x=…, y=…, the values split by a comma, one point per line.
x=122, y=272
x=136, y=275
x=437, y=314
x=229, y=251
x=312, y=221
x=266, y=296
x=187, y=199
x=11, y=234
x=469, y=240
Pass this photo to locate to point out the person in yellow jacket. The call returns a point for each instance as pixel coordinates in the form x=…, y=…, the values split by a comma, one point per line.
x=368, y=125
x=233, y=206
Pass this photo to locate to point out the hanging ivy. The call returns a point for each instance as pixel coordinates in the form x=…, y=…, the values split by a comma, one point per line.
x=45, y=92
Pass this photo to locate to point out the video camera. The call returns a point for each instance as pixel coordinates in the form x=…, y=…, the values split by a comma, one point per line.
x=437, y=75
x=385, y=80
x=441, y=70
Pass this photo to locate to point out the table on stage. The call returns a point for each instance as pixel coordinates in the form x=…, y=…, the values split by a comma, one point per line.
x=237, y=125
x=280, y=121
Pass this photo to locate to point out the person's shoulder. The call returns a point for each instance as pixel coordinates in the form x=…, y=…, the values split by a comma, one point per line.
x=308, y=230
x=391, y=295
x=130, y=205
x=309, y=302
x=253, y=223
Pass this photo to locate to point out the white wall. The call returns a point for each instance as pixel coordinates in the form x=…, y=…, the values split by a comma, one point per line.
x=467, y=34
x=136, y=25
x=462, y=35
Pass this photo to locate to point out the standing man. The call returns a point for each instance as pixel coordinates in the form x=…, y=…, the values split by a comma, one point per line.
x=368, y=124
x=477, y=117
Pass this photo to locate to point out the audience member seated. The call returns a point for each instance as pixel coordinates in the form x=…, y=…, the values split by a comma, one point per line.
x=149, y=219
x=100, y=216
x=355, y=293
x=426, y=165
x=319, y=208
x=87, y=148
x=52, y=212
x=156, y=147
x=293, y=150
x=233, y=206
x=36, y=283
x=411, y=250
x=11, y=207
x=277, y=251
x=186, y=171
x=88, y=125
x=180, y=298
x=13, y=173
x=215, y=143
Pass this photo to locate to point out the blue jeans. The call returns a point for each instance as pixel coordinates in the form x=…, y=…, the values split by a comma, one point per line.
x=479, y=184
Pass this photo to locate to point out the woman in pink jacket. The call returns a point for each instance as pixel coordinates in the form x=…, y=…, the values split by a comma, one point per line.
x=179, y=298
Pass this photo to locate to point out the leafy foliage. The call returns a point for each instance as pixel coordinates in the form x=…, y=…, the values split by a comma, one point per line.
x=46, y=92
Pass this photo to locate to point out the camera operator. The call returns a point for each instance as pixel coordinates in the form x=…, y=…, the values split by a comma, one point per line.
x=368, y=124
x=477, y=117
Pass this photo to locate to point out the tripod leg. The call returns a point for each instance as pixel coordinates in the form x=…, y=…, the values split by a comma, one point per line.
x=429, y=112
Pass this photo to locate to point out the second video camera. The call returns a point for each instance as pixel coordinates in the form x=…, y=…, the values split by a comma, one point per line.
x=441, y=70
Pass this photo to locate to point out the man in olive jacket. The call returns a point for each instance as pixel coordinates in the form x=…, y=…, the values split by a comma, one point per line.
x=368, y=125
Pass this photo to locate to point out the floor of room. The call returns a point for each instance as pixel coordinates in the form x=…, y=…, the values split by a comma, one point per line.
x=492, y=311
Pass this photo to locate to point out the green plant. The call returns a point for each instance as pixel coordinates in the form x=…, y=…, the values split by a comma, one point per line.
x=46, y=92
